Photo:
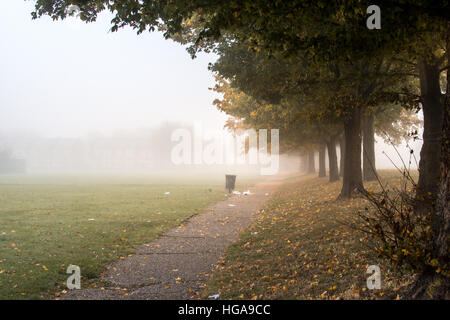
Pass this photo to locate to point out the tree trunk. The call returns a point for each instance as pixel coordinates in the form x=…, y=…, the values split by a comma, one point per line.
x=342, y=151
x=322, y=169
x=352, y=165
x=332, y=159
x=369, y=168
x=432, y=125
x=441, y=221
x=441, y=217
x=311, y=162
x=303, y=163
x=432, y=285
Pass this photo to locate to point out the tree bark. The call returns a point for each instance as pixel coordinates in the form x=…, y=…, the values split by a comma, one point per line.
x=311, y=162
x=369, y=168
x=441, y=217
x=332, y=159
x=342, y=152
x=440, y=285
x=322, y=169
x=352, y=165
x=303, y=163
x=432, y=125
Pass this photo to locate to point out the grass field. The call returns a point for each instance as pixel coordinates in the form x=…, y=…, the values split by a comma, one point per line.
x=301, y=247
x=50, y=222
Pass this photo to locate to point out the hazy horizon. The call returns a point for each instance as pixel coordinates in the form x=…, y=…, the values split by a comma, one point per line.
x=71, y=80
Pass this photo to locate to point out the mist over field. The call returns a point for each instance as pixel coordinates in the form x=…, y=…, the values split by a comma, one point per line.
x=144, y=151
x=61, y=110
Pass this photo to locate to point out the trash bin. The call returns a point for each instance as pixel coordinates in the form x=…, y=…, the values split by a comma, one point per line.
x=230, y=182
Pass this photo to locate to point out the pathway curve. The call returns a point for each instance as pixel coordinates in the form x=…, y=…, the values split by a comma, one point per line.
x=177, y=265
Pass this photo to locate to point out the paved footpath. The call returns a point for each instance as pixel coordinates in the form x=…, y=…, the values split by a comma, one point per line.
x=177, y=265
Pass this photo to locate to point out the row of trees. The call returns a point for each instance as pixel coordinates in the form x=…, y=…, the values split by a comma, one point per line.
x=310, y=104
x=318, y=63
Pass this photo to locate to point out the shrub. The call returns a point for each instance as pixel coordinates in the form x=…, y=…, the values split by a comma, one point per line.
x=403, y=235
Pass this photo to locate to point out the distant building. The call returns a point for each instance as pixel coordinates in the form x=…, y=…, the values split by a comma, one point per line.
x=9, y=165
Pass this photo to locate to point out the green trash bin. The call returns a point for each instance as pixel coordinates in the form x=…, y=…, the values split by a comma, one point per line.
x=230, y=182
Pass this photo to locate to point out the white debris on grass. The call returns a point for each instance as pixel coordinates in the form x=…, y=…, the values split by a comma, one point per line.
x=245, y=193
x=167, y=192
x=236, y=192
x=231, y=205
x=214, y=296
x=91, y=219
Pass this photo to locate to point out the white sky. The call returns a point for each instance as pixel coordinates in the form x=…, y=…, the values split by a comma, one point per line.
x=70, y=78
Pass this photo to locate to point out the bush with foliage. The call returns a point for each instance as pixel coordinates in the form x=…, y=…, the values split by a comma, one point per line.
x=403, y=235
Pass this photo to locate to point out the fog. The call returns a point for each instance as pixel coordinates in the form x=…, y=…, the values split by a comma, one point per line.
x=77, y=98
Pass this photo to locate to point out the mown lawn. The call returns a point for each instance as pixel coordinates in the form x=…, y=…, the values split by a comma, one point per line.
x=301, y=247
x=50, y=222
